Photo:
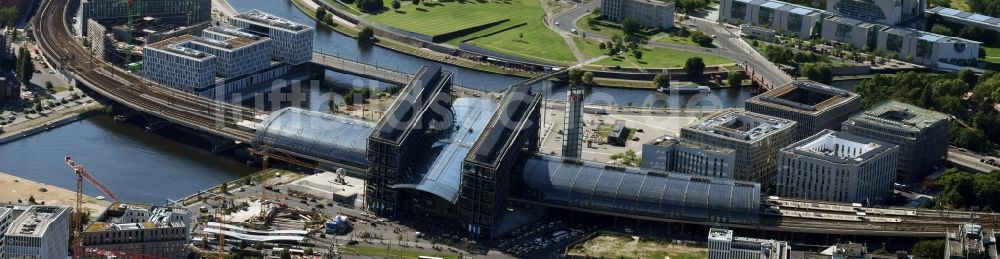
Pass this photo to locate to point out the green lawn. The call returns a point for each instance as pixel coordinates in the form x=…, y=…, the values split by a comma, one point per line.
x=588, y=46
x=342, y=7
x=992, y=53
x=678, y=40
x=660, y=58
x=538, y=42
x=381, y=252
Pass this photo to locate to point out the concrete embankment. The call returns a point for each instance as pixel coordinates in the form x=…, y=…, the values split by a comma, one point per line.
x=48, y=123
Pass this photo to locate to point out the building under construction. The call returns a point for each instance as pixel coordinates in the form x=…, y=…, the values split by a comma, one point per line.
x=176, y=12
x=111, y=39
x=133, y=229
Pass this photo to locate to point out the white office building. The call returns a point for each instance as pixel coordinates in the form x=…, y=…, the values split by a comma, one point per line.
x=650, y=13
x=293, y=42
x=237, y=53
x=888, y=12
x=755, y=139
x=723, y=245
x=672, y=155
x=966, y=18
x=173, y=63
x=40, y=232
x=782, y=17
x=839, y=167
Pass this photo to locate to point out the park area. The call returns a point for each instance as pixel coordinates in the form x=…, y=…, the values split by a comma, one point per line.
x=507, y=26
x=617, y=246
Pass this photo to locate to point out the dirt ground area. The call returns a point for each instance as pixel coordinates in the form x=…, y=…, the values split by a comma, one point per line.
x=15, y=188
x=615, y=246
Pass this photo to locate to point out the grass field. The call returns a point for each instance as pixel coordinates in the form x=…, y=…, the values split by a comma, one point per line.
x=660, y=58
x=380, y=252
x=342, y=7
x=678, y=40
x=533, y=40
x=615, y=246
x=588, y=46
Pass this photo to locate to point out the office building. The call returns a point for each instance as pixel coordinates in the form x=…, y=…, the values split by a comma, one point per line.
x=839, y=167
x=755, y=138
x=722, y=244
x=236, y=53
x=140, y=229
x=782, y=17
x=813, y=106
x=649, y=13
x=970, y=241
x=171, y=62
x=107, y=36
x=922, y=136
x=38, y=232
x=293, y=42
x=176, y=12
x=487, y=168
x=672, y=155
x=888, y=12
x=5, y=221
x=907, y=44
x=619, y=190
x=960, y=19
x=756, y=32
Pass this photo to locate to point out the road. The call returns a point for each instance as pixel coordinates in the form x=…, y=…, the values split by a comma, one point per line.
x=969, y=160
x=729, y=43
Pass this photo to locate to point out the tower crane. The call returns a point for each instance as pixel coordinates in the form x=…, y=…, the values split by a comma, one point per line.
x=131, y=10
x=77, y=220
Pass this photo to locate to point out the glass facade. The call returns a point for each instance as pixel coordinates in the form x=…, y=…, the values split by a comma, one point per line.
x=629, y=190
x=321, y=135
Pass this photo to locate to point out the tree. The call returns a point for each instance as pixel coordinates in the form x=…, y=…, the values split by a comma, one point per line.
x=661, y=81
x=637, y=53
x=969, y=77
x=328, y=19
x=694, y=66
x=818, y=72
x=366, y=34
x=24, y=68
x=395, y=4
x=224, y=187
x=309, y=251
x=734, y=79
x=930, y=249
x=631, y=27
x=286, y=255
x=320, y=13
x=943, y=30
x=8, y=15
x=701, y=39
x=575, y=76
x=596, y=12
x=369, y=6
x=49, y=87
x=415, y=2
x=601, y=45
x=588, y=78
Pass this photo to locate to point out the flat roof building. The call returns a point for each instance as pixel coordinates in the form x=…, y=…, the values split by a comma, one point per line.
x=776, y=15
x=171, y=62
x=293, y=42
x=813, y=106
x=970, y=241
x=922, y=135
x=140, y=229
x=673, y=155
x=839, y=167
x=963, y=18
x=40, y=232
x=236, y=53
x=755, y=138
x=650, y=13
x=722, y=244
x=888, y=12
x=5, y=221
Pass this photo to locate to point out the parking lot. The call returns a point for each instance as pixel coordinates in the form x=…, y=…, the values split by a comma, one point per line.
x=542, y=239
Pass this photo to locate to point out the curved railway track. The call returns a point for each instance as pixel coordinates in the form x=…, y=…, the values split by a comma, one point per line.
x=61, y=48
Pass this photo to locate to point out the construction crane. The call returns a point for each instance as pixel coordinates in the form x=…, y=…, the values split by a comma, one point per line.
x=77, y=219
x=131, y=11
x=265, y=152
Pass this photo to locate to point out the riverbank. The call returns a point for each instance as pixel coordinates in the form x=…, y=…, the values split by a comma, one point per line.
x=20, y=189
x=50, y=121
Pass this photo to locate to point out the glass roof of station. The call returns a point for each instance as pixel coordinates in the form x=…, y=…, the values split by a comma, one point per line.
x=316, y=134
x=636, y=191
x=441, y=174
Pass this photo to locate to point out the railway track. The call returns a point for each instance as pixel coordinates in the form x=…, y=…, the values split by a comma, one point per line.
x=187, y=109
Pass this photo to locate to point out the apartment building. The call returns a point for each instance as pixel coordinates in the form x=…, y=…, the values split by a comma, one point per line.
x=140, y=229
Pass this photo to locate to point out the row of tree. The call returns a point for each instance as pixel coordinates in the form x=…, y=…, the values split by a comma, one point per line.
x=962, y=190
x=964, y=95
